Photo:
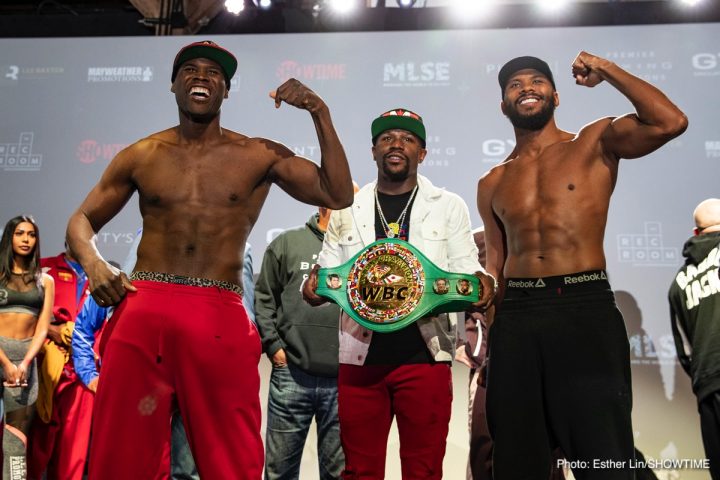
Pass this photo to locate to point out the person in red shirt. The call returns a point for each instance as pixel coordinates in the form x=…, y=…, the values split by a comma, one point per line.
x=60, y=433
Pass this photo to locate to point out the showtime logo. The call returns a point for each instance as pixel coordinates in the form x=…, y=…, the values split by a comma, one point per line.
x=311, y=71
x=90, y=151
x=412, y=74
x=19, y=156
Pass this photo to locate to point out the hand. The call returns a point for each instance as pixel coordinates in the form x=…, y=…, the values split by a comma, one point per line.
x=586, y=69
x=487, y=292
x=309, y=288
x=461, y=356
x=22, y=374
x=93, y=384
x=298, y=95
x=108, y=284
x=55, y=335
x=10, y=373
x=279, y=360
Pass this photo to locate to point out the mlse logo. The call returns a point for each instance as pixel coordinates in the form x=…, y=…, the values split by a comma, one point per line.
x=706, y=64
x=383, y=293
x=417, y=74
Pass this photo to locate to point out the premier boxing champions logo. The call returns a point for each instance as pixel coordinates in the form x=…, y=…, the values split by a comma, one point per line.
x=643, y=63
x=19, y=156
x=439, y=154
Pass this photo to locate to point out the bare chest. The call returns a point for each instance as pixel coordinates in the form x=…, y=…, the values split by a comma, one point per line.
x=187, y=179
x=549, y=183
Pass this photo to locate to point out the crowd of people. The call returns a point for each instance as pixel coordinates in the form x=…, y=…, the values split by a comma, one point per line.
x=151, y=371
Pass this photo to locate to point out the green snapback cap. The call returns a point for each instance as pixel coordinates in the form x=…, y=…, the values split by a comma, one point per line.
x=400, y=118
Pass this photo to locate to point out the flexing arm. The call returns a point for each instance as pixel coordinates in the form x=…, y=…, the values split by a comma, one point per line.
x=656, y=119
x=328, y=185
x=107, y=283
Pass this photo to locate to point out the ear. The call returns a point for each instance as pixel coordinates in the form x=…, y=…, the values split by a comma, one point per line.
x=172, y=87
x=696, y=231
x=556, y=99
x=502, y=107
x=422, y=155
x=227, y=92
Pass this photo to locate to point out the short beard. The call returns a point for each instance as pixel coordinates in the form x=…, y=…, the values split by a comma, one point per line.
x=531, y=122
x=397, y=175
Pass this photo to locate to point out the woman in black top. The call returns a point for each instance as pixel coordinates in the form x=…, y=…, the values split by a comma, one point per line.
x=26, y=302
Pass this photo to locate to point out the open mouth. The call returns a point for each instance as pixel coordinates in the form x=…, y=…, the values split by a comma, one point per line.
x=529, y=101
x=199, y=92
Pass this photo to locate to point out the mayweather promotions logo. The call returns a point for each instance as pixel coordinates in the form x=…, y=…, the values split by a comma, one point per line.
x=385, y=283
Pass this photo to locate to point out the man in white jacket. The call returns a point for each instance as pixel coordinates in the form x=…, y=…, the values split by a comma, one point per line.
x=405, y=373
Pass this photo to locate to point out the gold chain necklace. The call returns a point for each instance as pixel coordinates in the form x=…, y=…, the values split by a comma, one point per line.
x=392, y=230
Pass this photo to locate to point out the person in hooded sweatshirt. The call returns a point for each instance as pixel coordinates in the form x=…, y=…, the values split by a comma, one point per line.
x=695, y=315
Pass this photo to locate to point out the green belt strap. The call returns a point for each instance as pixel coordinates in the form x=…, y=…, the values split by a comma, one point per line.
x=390, y=284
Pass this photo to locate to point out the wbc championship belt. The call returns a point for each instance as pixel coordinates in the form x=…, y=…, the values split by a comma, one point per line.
x=390, y=284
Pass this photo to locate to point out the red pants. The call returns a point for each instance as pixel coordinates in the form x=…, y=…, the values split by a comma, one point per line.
x=60, y=447
x=174, y=345
x=419, y=396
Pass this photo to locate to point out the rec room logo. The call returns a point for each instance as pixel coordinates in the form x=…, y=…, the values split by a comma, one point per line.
x=646, y=249
x=120, y=74
x=19, y=156
x=416, y=74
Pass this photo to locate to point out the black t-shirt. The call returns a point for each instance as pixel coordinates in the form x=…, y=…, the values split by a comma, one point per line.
x=405, y=346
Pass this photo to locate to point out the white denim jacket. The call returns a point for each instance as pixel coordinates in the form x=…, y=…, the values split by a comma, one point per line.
x=439, y=228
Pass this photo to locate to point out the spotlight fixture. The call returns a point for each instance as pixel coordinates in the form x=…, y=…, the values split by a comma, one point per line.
x=235, y=6
x=406, y=3
x=264, y=3
x=343, y=6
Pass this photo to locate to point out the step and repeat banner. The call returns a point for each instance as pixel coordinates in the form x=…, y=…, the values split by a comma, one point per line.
x=67, y=106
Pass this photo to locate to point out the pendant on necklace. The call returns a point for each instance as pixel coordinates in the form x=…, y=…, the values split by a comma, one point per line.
x=394, y=230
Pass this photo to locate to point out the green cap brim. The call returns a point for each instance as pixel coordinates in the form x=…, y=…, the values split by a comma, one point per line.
x=390, y=122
